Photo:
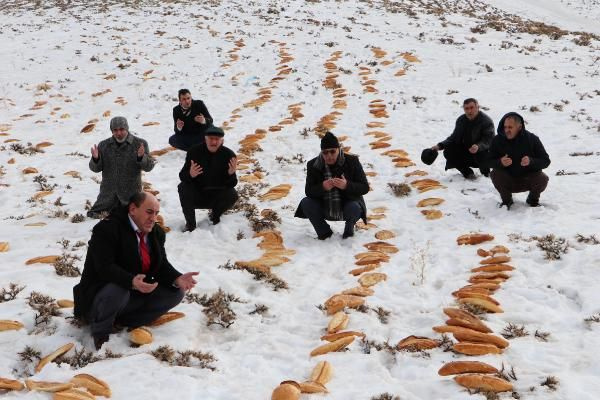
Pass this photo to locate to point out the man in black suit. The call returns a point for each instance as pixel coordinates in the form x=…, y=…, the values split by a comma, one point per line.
x=335, y=185
x=127, y=278
x=208, y=179
x=190, y=119
x=469, y=143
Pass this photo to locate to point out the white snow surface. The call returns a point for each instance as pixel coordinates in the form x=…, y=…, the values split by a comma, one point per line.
x=73, y=48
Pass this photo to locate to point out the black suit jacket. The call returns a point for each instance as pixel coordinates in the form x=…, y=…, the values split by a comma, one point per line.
x=191, y=127
x=113, y=257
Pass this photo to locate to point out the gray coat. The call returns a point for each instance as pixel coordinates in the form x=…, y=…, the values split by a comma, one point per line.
x=121, y=171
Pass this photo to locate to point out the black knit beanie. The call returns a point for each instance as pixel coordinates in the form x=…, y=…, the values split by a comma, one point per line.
x=329, y=141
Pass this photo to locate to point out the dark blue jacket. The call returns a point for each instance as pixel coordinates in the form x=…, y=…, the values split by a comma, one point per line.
x=524, y=144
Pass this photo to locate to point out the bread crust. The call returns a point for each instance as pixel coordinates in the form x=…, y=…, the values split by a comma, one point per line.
x=464, y=367
x=484, y=382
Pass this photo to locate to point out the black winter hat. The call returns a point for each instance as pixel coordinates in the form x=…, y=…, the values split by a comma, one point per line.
x=329, y=141
x=428, y=156
x=214, y=131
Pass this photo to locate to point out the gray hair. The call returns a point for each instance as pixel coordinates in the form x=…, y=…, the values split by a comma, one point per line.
x=119, y=122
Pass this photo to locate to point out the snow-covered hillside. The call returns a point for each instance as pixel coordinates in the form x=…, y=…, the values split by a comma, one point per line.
x=384, y=75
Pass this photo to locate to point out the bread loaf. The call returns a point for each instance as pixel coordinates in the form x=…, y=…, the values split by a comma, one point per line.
x=483, y=303
x=371, y=278
x=312, y=387
x=167, y=317
x=417, y=343
x=338, y=322
x=495, y=260
x=140, y=336
x=43, y=386
x=286, y=391
x=364, y=269
x=473, y=238
x=463, y=367
x=332, y=346
x=50, y=357
x=8, y=325
x=73, y=394
x=322, y=373
x=335, y=336
x=468, y=335
x=359, y=291
x=493, y=268
x=476, y=349
x=484, y=383
x=94, y=385
x=10, y=384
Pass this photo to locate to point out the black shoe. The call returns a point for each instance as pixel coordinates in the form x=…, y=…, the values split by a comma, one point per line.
x=326, y=235
x=215, y=219
x=507, y=203
x=99, y=340
x=348, y=232
x=533, y=202
x=467, y=173
x=189, y=227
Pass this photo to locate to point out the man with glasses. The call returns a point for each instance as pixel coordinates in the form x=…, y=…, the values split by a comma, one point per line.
x=468, y=145
x=208, y=179
x=335, y=185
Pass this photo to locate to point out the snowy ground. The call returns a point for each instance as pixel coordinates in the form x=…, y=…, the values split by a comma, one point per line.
x=64, y=66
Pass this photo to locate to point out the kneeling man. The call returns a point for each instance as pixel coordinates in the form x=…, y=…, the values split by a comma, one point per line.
x=127, y=278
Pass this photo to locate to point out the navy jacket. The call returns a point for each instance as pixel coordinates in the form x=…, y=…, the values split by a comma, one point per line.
x=524, y=144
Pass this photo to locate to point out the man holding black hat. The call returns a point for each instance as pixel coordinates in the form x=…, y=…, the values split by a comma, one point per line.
x=468, y=145
x=120, y=158
x=335, y=185
x=208, y=179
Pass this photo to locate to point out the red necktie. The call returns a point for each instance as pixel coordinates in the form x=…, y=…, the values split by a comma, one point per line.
x=144, y=252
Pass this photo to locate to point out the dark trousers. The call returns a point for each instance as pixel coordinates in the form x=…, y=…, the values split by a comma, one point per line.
x=185, y=141
x=459, y=157
x=131, y=308
x=506, y=184
x=218, y=200
x=313, y=209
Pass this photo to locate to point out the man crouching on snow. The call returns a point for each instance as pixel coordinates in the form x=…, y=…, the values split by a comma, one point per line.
x=517, y=157
x=127, y=278
x=335, y=184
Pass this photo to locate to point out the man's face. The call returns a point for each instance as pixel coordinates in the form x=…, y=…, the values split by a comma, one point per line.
x=471, y=110
x=119, y=134
x=511, y=128
x=185, y=100
x=145, y=215
x=330, y=155
x=213, y=143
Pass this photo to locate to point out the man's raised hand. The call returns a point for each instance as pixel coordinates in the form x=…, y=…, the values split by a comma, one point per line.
x=195, y=169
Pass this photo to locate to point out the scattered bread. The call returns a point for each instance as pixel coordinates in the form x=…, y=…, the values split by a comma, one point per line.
x=464, y=367
x=322, y=373
x=431, y=201
x=333, y=346
x=491, y=275
x=73, y=394
x=468, y=335
x=484, y=383
x=338, y=302
x=10, y=384
x=140, y=336
x=476, y=349
x=167, y=317
x=465, y=319
x=483, y=253
x=336, y=336
x=94, y=385
x=384, y=247
x=52, y=356
x=366, y=268
x=493, y=268
x=43, y=386
x=374, y=258
x=65, y=303
x=371, y=278
x=495, y=260
x=42, y=260
x=312, y=387
x=499, y=249
x=8, y=325
x=461, y=294
x=338, y=322
x=359, y=291
x=483, y=303
x=384, y=235
x=471, y=290
x=473, y=238
x=432, y=214
x=4, y=246
x=287, y=390
x=417, y=343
